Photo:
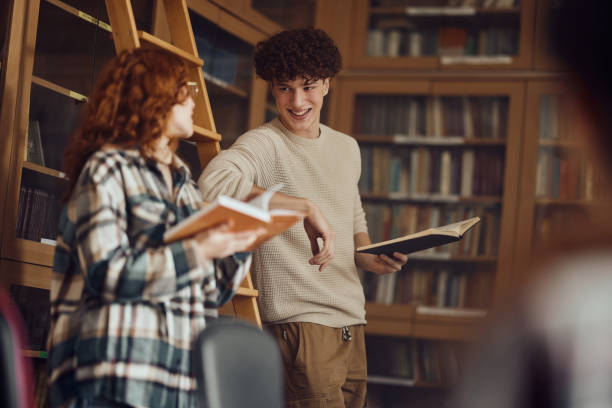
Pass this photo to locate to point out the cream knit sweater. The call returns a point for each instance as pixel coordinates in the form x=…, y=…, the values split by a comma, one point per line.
x=324, y=170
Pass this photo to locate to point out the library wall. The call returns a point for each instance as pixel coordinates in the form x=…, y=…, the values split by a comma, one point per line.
x=457, y=105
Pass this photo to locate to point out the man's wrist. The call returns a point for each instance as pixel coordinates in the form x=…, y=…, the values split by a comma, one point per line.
x=309, y=207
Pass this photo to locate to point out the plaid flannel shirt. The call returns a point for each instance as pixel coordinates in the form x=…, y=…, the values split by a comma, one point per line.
x=125, y=307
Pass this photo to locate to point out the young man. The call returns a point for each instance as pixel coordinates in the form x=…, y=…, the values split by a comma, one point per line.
x=310, y=296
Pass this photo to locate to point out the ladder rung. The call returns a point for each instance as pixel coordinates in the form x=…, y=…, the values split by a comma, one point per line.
x=204, y=135
x=156, y=42
x=247, y=292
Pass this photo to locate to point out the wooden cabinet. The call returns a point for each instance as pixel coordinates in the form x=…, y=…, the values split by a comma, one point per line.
x=56, y=75
x=442, y=34
x=47, y=75
x=435, y=151
x=561, y=185
x=226, y=44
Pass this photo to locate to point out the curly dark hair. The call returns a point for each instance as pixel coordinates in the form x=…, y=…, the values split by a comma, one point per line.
x=129, y=105
x=306, y=52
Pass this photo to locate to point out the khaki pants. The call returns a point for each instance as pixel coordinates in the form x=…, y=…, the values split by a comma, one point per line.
x=322, y=370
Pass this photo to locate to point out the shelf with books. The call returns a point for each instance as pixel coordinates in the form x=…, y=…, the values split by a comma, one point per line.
x=443, y=34
x=401, y=369
x=410, y=187
x=66, y=57
x=226, y=46
x=56, y=75
x=399, y=196
x=404, y=139
x=562, y=187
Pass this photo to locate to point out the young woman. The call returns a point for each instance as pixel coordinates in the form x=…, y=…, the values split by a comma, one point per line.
x=125, y=306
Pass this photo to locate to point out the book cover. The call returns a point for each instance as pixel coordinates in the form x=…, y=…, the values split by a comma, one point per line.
x=244, y=215
x=419, y=241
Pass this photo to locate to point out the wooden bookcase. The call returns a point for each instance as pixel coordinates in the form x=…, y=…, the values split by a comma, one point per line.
x=389, y=85
x=45, y=75
x=524, y=87
x=415, y=133
x=469, y=34
x=560, y=184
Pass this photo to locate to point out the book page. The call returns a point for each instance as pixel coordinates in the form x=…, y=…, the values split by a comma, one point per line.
x=262, y=201
x=459, y=227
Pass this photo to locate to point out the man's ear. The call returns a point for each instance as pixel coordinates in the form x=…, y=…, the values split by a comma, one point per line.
x=326, y=86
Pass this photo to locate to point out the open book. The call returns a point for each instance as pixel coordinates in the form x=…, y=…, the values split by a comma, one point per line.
x=419, y=241
x=245, y=215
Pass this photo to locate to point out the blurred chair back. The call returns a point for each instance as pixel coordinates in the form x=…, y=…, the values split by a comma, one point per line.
x=16, y=389
x=238, y=365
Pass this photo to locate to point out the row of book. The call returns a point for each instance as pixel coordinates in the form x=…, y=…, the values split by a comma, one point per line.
x=479, y=117
x=427, y=362
x=391, y=221
x=417, y=171
x=34, y=308
x=445, y=3
x=551, y=112
x=456, y=287
x=38, y=214
x=563, y=174
x=399, y=36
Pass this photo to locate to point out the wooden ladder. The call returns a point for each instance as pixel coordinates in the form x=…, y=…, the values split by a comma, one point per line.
x=206, y=138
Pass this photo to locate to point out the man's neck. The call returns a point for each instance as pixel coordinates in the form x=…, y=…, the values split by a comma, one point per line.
x=312, y=133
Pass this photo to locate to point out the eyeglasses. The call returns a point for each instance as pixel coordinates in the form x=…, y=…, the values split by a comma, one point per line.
x=186, y=90
x=192, y=88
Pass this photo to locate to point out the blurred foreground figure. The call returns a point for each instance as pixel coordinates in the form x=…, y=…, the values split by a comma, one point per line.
x=554, y=348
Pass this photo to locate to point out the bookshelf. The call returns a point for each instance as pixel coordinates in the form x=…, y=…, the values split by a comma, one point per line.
x=561, y=185
x=434, y=152
x=443, y=34
x=226, y=44
x=46, y=74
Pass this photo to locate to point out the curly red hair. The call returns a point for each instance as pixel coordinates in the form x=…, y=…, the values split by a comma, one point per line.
x=129, y=105
x=299, y=53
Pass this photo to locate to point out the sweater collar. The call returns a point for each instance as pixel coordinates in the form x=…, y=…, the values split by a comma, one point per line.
x=304, y=141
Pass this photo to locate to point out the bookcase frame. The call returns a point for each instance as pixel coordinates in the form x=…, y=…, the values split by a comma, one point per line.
x=530, y=147
x=403, y=320
x=15, y=111
x=542, y=60
x=358, y=58
x=28, y=263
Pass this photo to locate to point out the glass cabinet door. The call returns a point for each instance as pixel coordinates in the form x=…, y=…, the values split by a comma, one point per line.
x=228, y=73
x=562, y=186
x=433, y=153
x=71, y=42
x=446, y=33
x=427, y=161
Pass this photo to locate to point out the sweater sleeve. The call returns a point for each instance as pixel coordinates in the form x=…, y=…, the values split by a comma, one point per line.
x=234, y=171
x=359, y=219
